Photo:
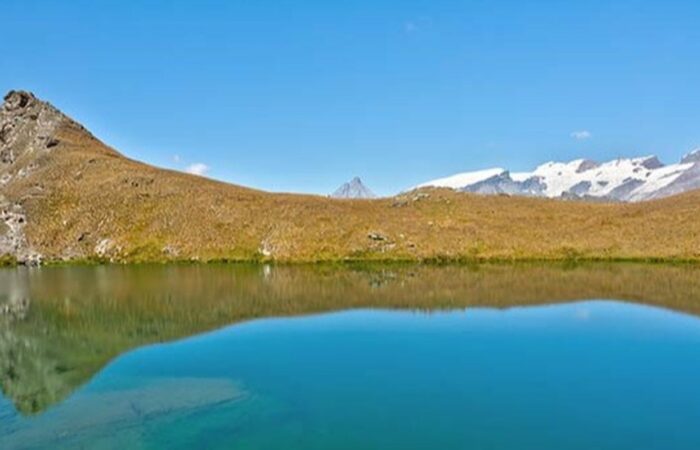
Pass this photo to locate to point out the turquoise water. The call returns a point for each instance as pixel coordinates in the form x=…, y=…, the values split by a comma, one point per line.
x=255, y=357
x=601, y=375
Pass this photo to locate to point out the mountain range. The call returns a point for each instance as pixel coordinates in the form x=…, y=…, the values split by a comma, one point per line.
x=628, y=180
x=67, y=196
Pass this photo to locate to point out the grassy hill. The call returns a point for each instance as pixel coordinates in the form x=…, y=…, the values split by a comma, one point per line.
x=64, y=195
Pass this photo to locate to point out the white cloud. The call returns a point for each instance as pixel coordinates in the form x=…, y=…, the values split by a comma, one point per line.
x=176, y=158
x=200, y=169
x=581, y=135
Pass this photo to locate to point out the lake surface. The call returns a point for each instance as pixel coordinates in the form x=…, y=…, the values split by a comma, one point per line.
x=376, y=357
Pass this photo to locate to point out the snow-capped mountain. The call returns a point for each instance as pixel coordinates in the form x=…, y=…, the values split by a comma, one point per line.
x=632, y=179
x=353, y=189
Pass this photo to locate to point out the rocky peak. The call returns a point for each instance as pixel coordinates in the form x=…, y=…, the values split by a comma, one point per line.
x=587, y=164
x=651, y=163
x=356, y=181
x=27, y=126
x=692, y=157
x=15, y=100
x=353, y=189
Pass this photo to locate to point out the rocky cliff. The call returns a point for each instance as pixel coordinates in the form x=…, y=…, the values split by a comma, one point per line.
x=27, y=130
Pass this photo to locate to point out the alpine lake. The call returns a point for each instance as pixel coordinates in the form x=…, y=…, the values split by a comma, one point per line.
x=386, y=356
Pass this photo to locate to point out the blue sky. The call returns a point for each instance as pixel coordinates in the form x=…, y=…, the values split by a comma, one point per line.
x=303, y=95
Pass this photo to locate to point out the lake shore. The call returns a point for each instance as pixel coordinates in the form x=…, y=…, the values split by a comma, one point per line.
x=436, y=261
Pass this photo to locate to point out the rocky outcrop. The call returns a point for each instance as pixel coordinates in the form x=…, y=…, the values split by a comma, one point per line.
x=12, y=221
x=28, y=129
x=687, y=181
x=14, y=296
x=587, y=164
x=692, y=157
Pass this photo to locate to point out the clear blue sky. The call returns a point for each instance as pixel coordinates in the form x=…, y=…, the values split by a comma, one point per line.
x=302, y=95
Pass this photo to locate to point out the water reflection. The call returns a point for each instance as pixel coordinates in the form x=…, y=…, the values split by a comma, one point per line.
x=59, y=326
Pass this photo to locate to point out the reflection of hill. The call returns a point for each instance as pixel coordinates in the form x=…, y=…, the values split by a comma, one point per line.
x=81, y=317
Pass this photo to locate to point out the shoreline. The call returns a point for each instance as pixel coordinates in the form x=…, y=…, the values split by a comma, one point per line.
x=11, y=262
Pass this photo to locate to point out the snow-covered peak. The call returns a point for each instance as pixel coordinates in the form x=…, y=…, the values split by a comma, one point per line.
x=554, y=166
x=627, y=179
x=463, y=179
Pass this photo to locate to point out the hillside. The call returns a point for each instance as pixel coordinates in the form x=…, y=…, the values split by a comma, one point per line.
x=64, y=195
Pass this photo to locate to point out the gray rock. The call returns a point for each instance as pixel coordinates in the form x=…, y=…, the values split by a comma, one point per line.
x=504, y=184
x=689, y=180
x=587, y=164
x=692, y=157
x=376, y=236
x=580, y=189
x=652, y=163
x=621, y=193
x=15, y=100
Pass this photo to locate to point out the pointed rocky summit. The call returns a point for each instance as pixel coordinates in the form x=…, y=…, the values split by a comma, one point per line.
x=353, y=189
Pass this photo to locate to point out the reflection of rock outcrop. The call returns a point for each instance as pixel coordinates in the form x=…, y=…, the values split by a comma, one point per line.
x=82, y=317
x=14, y=295
x=30, y=376
x=29, y=371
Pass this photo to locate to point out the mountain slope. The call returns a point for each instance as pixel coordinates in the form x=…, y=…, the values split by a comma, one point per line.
x=67, y=196
x=354, y=188
x=631, y=180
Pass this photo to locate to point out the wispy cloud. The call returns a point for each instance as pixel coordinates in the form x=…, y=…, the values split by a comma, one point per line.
x=200, y=169
x=176, y=158
x=413, y=25
x=581, y=135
